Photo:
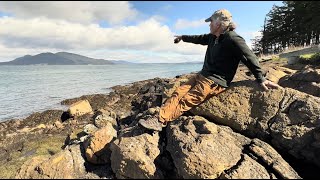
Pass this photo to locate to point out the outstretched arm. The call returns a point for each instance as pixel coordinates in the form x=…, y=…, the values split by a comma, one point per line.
x=251, y=61
x=196, y=39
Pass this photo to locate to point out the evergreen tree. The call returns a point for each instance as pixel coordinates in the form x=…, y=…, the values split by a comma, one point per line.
x=296, y=23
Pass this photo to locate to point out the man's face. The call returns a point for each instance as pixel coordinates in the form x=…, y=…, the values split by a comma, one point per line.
x=214, y=26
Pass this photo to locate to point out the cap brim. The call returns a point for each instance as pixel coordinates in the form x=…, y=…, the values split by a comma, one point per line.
x=208, y=19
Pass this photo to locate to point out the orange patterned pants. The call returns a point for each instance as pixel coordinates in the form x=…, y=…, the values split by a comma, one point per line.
x=190, y=94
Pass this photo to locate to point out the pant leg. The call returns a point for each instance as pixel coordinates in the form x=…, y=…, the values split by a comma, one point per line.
x=203, y=89
x=171, y=103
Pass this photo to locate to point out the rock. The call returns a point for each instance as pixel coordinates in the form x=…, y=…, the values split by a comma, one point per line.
x=270, y=156
x=67, y=164
x=133, y=154
x=306, y=80
x=286, y=116
x=198, y=148
x=46, y=117
x=41, y=126
x=107, y=111
x=97, y=149
x=307, y=74
x=90, y=129
x=293, y=59
x=27, y=170
x=201, y=149
x=105, y=119
x=97, y=101
x=15, y=150
x=276, y=73
x=25, y=130
x=149, y=95
x=73, y=122
x=58, y=124
x=247, y=169
x=79, y=108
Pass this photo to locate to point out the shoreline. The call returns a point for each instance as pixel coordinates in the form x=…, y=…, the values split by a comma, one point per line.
x=60, y=106
x=48, y=132
x=32, y=91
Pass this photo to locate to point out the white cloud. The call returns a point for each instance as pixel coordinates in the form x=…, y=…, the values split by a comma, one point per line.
x=85, y=12
x=8, y=54
x=185, y=24
x=53, y=26
x=144, y=56
x=38, y=34
x=159, y=18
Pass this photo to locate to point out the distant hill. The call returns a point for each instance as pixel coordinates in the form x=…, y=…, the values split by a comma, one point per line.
x=121, y=62
x=192, y=62
x=60, y=58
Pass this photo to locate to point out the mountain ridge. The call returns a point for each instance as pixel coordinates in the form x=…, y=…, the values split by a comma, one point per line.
x=59, y=58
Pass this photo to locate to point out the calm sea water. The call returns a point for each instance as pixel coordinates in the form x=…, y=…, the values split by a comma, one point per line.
x=28, y=89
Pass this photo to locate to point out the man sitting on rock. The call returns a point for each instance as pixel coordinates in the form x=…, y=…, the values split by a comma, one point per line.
x=224, y=52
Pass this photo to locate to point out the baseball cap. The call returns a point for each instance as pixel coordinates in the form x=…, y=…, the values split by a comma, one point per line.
x=222, y=14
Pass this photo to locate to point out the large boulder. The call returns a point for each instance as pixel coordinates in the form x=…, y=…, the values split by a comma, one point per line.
x=306, y=80
x=67, y=164
x=274, y=74
x=97, y=146
x=201, y=149
x=79, y=108
x=104, y=117
x=133, y=154
x=286, y=116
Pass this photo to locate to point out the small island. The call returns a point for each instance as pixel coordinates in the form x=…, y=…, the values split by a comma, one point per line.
x=60, y=58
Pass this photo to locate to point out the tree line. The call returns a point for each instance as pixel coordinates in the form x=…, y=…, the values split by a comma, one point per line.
x=296, y=23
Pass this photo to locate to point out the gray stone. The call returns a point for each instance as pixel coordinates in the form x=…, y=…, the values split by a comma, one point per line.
x=289, y=117
x=133, y=154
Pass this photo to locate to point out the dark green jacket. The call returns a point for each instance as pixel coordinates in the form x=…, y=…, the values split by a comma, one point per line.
x=222, y=59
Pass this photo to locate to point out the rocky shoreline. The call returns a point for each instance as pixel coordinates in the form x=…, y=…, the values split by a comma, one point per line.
x=241, y=133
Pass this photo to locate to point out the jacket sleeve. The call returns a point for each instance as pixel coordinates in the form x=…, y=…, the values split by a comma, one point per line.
x=246, y=56
x=197, y=39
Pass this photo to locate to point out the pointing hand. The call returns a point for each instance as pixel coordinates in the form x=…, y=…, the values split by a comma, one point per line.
x=177, y=39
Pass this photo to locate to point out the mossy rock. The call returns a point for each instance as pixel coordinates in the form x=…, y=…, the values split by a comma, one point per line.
x=45, y=146
x=313, y=58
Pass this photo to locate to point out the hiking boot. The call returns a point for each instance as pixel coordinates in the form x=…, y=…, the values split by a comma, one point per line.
x=152, y=123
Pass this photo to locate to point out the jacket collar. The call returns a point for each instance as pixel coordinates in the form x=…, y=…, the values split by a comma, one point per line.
x=221, y=37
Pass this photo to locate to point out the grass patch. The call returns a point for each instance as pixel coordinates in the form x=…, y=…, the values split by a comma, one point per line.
x=313, y=58
x=306, y=56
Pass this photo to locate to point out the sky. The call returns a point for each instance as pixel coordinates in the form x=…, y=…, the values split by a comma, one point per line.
x=134, y=31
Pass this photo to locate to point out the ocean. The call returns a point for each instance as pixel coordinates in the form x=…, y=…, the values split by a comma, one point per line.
x=36, y=88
